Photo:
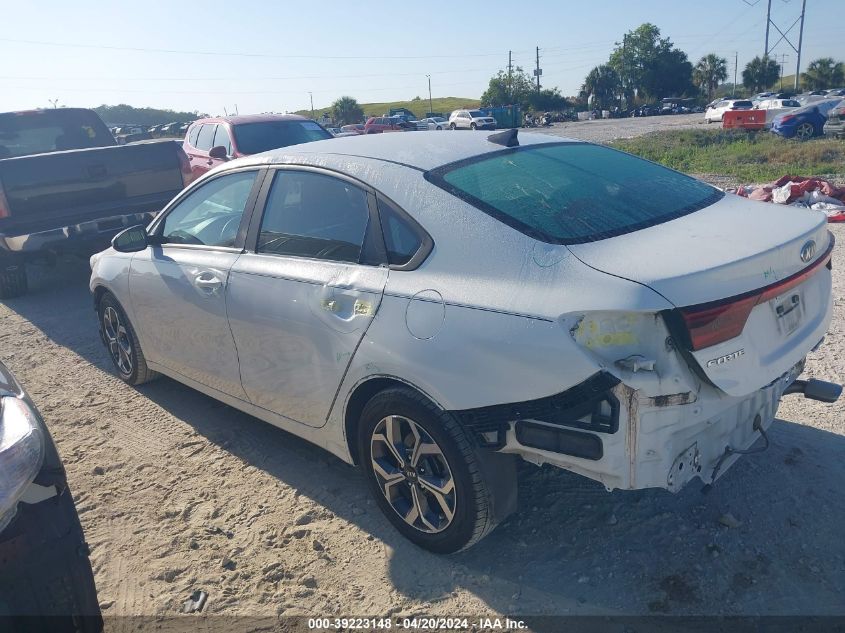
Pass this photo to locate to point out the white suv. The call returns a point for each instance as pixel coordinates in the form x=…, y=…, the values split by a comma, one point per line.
x=471, y=120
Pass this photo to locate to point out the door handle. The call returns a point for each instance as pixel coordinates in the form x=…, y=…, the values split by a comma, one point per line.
x=208, y=283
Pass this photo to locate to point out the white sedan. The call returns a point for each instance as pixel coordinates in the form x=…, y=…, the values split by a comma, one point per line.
x=774, y=107
x=716, y=110
x=434, y=307
x=436, y=123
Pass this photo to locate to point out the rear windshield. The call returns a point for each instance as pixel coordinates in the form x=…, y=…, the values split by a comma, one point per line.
x=254, y=138
x=742, y=104
x=568, y=193
x=42, y=131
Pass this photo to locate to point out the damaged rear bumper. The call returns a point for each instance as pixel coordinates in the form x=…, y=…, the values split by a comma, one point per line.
x=649, y=442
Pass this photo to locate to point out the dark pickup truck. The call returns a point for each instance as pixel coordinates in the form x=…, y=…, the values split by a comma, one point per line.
x=66, y=187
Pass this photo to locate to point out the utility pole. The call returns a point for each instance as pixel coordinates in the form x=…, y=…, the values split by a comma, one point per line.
x=430, y=107
x=55, y=102
x=783, y=57
x=311, y=94
x=768, y=22
x=510, y=77
x=800, y=39
x=538, y=71
x=736, y=67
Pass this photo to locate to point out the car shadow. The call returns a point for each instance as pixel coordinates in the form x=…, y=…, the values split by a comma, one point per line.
x=765, y=540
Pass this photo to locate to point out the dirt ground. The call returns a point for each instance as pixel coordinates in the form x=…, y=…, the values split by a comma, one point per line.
x=178, y=492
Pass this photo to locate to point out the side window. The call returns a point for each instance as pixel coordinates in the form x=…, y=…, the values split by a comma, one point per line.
x=221, y=137
x=313, y=215
x=192, y=135
x=211, y=214
x=401, y=240
x=205, y=137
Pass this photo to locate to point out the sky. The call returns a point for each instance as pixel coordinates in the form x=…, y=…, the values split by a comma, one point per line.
x=214, y=56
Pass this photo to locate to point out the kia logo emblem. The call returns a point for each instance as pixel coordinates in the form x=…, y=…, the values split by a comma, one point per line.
x=807, y=251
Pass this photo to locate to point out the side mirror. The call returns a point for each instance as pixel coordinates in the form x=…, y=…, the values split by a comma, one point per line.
x=131, y=240
x=218, y=152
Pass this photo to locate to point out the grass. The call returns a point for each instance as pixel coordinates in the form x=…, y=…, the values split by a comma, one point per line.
x=748, y=157
x=441, y=104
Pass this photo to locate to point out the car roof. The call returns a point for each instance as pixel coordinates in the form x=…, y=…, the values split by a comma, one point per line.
x=252, y=118
x=418, y=150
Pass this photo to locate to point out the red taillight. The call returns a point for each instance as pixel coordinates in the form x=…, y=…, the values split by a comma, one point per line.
x=719, y=321
x=787, y=117
x=185, y=167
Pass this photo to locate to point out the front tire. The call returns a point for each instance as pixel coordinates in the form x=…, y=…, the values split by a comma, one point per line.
x=122, y=342
x=13, y=281
x=424, y=472
x=452, y=126
x=473, y=127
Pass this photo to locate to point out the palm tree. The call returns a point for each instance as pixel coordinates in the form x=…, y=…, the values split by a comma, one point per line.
x=346, y=110
x=760, y=73
x=824, y=73
x=603, y=84
x=709, y=72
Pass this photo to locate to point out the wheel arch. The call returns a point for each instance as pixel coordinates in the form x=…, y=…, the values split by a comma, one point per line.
x=361, y=394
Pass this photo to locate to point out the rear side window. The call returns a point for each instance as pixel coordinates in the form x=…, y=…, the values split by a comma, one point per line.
x=313, y=215
x=205, y=138
x=401, y=241
x=569, y=193
x=40, y=131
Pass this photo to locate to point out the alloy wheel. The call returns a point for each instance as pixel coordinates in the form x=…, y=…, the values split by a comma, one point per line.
x=412, y=473
x=804, y=131
x=117, y=340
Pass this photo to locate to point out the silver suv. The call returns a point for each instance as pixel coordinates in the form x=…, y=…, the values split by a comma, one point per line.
x=471, y=120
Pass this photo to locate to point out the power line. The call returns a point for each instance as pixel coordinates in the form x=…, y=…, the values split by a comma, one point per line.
x=138, y=49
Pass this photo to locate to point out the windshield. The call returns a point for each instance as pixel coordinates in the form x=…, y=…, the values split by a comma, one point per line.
x=568, y=193
x=476, y=114
x=742, y=104
x=254, y=138
x=40, y=131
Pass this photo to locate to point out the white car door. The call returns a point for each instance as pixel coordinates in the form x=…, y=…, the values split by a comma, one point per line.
x=177, y=288
x=303, y=295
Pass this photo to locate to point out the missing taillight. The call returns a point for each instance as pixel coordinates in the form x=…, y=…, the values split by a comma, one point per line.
x=711, y=323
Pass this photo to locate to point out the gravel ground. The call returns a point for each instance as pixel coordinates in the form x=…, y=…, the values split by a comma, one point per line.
x=604, y=130
x=178, y=492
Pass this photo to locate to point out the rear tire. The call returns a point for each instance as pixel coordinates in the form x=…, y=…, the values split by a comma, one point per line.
x=473, y=127
x=805, y=132
x=121, y=342
x=452, y=126
x=13, y=281
x=442, y=522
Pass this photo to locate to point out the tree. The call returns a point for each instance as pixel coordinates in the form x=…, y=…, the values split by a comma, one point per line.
x=508, y=90
x=650, y=66
x=603, y=84
x=824, y=72
x=123, y=114
x=709, y=72
x=547, y=100
x=760, y=73
x=346, y=111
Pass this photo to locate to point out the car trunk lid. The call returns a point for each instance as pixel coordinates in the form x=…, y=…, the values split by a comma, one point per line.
x=749, y=282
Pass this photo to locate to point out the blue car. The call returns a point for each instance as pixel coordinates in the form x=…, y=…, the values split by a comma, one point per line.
x=804, y=123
